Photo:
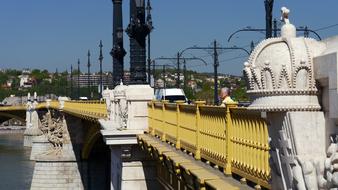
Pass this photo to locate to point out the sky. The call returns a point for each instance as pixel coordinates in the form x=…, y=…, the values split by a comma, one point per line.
x=53, y=34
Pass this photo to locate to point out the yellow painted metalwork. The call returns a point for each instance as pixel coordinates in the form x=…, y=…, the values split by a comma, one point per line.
x=13, y=108
x=86, y=109
x=91, y=110
x=235, y=139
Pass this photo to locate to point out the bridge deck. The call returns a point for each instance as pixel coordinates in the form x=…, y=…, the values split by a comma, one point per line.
x=192, y=173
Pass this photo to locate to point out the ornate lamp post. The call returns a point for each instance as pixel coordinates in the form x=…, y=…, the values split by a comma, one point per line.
x=117, y=51
x=150, y=25
x=78, y=79
x=71, y=81
x=88, y=74
x=100, y=59
x=137, y=31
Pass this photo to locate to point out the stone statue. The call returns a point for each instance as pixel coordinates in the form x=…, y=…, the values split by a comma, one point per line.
x=285, y=15
x=55, y=131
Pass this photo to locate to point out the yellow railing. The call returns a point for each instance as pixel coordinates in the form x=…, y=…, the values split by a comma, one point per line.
x=235, y=139
x=13, y=108
x=92, y=109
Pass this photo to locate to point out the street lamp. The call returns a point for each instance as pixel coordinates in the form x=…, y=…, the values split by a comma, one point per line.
x=78, y=79
x=150, y=26
x=88, y=75
x=100, y=59
x=71, y=81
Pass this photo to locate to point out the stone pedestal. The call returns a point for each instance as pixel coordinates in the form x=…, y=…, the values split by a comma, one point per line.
x=40, y=145
x=131, y=169
x=128, y=116
x=32, y=127
x=57, y=171
x=30, y=135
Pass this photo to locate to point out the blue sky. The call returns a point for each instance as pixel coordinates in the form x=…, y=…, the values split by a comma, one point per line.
x=50, y=34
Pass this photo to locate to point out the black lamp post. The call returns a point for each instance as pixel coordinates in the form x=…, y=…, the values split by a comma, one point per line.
x=137, y=31
x=88, y=75
x=100, y=59
x=117, y=51
x=78, y=79
x=268, y=18
x=71, y=81
x=150, y=25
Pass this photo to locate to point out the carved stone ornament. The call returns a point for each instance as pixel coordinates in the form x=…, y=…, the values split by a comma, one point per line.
x=52, y=126
x=279, y=71
x=121, y=105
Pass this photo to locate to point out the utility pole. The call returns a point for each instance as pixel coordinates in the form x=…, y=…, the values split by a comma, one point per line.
x=216, y=63
x=178, y=71
x=184, y=74
x=178, y=58
x=164, y=81
x=71, y=81
x=268, y=18
x=78, y=79
x=216, y=101
x=88, y=75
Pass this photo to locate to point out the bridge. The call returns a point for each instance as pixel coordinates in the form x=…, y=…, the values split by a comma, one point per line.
x=199, y=155
x=285, y=139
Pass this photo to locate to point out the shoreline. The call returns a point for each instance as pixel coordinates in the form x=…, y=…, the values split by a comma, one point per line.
x=12, y=129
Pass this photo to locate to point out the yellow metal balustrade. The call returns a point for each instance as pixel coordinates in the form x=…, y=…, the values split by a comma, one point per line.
x=235, y=139
x=86, y=109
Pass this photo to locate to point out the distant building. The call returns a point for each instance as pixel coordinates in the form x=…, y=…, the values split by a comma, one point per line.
x=25, y=79
x=94, y=80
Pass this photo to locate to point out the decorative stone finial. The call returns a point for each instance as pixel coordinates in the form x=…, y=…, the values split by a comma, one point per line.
x=285, y=15
x=288, y=30
x=28, y=96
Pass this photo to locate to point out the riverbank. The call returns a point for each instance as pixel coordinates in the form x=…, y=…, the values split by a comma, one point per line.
x=12, y=129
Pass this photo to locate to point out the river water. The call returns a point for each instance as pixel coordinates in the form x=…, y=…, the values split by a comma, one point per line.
x=16, y=170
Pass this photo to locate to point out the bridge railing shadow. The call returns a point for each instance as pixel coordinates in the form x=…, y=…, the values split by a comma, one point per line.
x=232, y=138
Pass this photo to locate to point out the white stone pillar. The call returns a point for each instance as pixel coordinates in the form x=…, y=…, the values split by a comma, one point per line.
x=130, y=167
x=32, y=122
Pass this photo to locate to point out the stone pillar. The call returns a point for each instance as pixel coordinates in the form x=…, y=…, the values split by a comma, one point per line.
x=57, y=167
x=32, y=122
x=281, y=81
x=130, y=167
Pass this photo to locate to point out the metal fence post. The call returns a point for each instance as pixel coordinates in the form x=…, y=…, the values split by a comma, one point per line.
x=152, y=132
x=178, y=138
x=163, y=137
x=198, y=134
x=228, y=131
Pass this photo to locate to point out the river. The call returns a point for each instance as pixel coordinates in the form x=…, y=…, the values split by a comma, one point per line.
x=16, y=170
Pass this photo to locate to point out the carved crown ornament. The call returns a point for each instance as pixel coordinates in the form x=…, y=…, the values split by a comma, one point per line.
x=283, y=66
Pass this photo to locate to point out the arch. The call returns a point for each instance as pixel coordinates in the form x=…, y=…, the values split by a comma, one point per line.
x=10, y=116
x=267, y=78
x=302, y=78
x=93, y=135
